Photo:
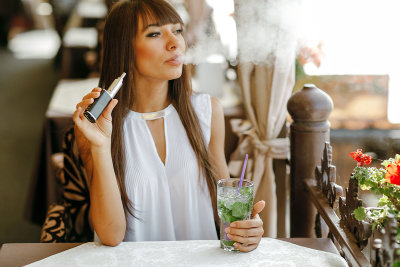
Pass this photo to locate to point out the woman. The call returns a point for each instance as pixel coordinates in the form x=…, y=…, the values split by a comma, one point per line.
x=154, y=158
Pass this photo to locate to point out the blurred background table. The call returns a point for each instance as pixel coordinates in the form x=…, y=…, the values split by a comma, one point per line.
x=58, y=120
x=76, y=43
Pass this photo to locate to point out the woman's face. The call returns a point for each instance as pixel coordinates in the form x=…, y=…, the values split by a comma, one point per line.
x=158, y=51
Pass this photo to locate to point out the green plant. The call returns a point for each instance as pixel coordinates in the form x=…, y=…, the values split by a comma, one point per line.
x=384, y=182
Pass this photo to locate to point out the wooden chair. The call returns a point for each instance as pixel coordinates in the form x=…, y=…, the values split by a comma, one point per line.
x=68, y=219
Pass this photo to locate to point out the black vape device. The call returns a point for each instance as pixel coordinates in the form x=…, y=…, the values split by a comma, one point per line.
x=93, y=112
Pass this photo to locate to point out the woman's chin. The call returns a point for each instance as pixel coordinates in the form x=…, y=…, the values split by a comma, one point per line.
x=174, y=76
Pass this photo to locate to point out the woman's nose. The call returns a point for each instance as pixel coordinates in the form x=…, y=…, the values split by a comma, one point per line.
x=172, y=43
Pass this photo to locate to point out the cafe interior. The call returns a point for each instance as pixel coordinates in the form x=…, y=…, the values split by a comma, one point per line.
x=310, y=93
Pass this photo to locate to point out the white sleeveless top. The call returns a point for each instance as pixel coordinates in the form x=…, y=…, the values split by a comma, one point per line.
x=171, y=201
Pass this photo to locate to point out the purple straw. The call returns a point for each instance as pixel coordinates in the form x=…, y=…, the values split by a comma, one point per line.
x=243, y=170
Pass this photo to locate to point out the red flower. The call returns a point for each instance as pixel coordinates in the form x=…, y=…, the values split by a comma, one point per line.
x=393, y=172
x=361, y=158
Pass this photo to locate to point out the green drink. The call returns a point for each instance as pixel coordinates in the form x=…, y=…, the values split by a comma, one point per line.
x=234, y=204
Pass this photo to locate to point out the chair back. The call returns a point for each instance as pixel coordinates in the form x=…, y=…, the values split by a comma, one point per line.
x=68, y=220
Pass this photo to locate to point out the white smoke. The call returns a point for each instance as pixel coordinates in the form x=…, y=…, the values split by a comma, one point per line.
x=207, y=47
x=267, y=30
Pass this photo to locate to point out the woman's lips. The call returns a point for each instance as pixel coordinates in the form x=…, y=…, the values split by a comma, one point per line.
x=176, y=60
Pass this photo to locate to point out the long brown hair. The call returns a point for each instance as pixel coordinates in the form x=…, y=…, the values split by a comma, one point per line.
x=119, y=56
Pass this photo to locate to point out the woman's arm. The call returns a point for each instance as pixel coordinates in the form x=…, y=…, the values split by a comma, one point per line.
x=216, y=147
x=247, y=232
x=106, y=210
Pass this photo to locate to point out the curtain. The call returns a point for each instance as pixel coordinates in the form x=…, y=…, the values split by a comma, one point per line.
x=267, y=51
x=199, y=20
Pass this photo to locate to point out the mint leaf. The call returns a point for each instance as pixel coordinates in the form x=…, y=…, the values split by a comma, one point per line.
x=246, y=191
x=227, y=217
x=359, y=213
x=239, y=209
x=228, y=243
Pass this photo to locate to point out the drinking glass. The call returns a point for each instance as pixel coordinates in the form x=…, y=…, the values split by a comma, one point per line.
x=234, y=204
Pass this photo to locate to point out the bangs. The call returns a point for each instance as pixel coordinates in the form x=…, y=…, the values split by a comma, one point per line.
x=157, y=12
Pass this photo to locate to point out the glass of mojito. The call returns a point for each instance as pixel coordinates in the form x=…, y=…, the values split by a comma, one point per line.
x=234, y=204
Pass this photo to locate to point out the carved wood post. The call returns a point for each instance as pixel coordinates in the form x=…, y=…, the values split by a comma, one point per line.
x=309, y=109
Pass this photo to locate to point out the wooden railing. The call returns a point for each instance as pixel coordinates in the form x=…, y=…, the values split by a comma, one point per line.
x=317, y=202
x=325, y=195
x=350, y=235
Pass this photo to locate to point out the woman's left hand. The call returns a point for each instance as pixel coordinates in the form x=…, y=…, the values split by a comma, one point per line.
x=248, y=232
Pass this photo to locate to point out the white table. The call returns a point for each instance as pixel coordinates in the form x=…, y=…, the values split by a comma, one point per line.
x=271, y=252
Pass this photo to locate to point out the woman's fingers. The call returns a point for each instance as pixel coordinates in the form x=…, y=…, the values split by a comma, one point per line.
x=245, y=248
x=107, y=111
x=257, y=208
x=245, y=240
x=76, y=117
x=85, y=103
x=93, y=94
x=89, y=98
x=253, y=223
x=96, y=89
x=258, y=231
x=248, y=232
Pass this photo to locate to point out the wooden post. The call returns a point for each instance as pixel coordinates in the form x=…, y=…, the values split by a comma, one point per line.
x=309, y=109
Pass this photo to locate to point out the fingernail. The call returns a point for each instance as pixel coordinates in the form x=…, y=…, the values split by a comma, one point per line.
x=232, y=224
x=235, y=245
x=227, y=230
x=229, y=236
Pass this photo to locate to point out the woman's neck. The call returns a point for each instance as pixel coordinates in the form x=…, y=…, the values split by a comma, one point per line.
x=150, y=96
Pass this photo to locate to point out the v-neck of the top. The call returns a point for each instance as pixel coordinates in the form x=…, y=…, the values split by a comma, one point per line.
x=150, y=135
x=161, y=114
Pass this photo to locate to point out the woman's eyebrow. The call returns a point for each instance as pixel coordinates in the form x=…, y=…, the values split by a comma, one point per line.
x=156, y=25
x=151, y=25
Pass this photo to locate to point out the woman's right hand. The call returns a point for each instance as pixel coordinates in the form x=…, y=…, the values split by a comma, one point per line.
x=97, y=134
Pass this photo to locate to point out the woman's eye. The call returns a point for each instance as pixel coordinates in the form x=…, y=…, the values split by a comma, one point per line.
x=179, y=31
x=153, y=34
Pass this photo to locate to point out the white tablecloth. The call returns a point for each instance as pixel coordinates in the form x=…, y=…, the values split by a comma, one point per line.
x=271, y=252
x=68, y=93
x=80, y=37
